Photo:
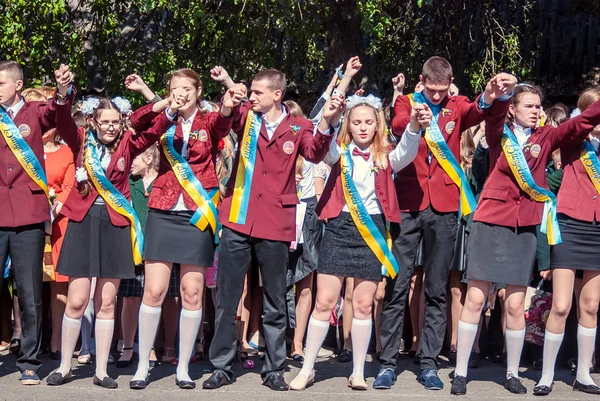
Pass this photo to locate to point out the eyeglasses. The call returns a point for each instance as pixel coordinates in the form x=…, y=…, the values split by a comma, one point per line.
x=106, y=125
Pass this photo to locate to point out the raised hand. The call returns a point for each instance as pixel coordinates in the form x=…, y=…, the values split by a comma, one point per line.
x=219, y=74
x=134, y=82
x=398, y=82
x=64, y=78
x=334, y=79
x=499, y=86
x=233, y=97
x=334, y=108
x=353, y=66
x=179, y=97
x=420, y=117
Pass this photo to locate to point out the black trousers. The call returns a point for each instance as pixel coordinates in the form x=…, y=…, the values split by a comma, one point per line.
x=438, y=231
x=235, y=253
x=25, y=245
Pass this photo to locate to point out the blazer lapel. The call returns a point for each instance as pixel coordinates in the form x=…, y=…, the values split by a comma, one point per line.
x=282, y=129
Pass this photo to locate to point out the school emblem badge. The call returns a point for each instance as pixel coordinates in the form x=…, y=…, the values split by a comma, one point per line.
x=24, y=130
x=288, y=147
x=121, y=164
x=450, y=127
x=203, y=136
x=535, y=150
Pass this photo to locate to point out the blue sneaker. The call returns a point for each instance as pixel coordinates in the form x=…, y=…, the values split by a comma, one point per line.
x=385, y=379
x=29, y=377
x=430, y=379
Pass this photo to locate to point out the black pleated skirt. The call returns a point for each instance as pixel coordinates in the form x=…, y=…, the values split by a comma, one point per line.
x=345, y=252
x=499, y=254
x=170, y=237
x=580, y=247
x=95, y=247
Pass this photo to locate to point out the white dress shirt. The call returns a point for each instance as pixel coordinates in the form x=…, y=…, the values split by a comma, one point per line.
x=363, y=172
x=271, y=127
x=521, y=133
x=16, y=108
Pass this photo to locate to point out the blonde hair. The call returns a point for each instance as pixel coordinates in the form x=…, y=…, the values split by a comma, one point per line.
x=295, y=109
x=467, y=147
x=33, y=95
x=587, y=98
x=380, y=146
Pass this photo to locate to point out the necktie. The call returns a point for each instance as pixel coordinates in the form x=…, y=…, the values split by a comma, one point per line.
x=11, y=114
x=365, y=155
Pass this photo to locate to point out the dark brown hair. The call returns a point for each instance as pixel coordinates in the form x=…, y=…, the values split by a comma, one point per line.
x=556, y=115
x=275, y=78
x=519, y=91
x=437, y=69
x=105, y=104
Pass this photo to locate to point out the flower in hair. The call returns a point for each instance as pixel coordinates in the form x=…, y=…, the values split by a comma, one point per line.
x=90, y=105
x=221, y=145
x=122, y=104
x=81, y=174
x=370, y=100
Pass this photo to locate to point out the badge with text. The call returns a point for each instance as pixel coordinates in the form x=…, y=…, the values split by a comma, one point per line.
x=450, y=127
x=203, y=136
x=24, y=130
x=288, y=147
x=121, y=164
x=535, y=150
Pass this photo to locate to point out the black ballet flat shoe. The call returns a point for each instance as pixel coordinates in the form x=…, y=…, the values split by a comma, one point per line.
x=139, y=384
x=515, y=386
x=298, y=358
x=107, y=382
x=15, y=346
x=57, y=379
x=586, y=388
x=216, y=380
x=185, y=384
x=543, y=390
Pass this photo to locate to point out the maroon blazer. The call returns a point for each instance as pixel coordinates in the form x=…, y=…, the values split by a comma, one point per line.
x=119, y=169
x=577, y=197
x=22, y=201
x=273, y=199
x=421, y=184
x=502, y=202
x=206, y=132
x=332, y=201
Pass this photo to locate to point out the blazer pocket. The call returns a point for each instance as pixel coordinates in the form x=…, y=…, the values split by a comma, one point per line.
x=35, y=189
x=448, y=180
x=289, y=200
x=496, y=194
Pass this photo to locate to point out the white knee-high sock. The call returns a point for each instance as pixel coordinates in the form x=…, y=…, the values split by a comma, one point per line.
x=149, y=318
x=189, y=324
x=317, y=331
x=104, y=335
x=514, y=348
x=586, y=340
x=70, y=335
x=466, y=338
x=552, y=344
x=361, y=336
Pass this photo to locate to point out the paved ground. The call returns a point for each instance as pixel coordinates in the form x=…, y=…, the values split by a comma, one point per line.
x=485, y=384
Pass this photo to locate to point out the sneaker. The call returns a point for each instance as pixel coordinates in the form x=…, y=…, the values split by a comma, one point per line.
x=459, y=385
x=514, y=385
x=430, y=380
x=385, y=379
x=29, y=378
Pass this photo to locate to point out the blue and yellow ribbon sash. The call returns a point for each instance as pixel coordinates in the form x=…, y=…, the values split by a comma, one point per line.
x=518, y=165
x=22, y=151
x=245, y=171
x=590, y=161
x=207, y=202
x=444, y=156
x=113, y=198
x=363, y=221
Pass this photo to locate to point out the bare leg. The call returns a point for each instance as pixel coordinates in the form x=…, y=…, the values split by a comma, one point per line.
x=303, y=308
x=58, y=303
x=347, y=314
x=129, y=323
x=378, y=303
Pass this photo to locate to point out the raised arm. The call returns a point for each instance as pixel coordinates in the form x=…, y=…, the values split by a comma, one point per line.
x=408, y=147
x=135, y=83
x=576, y=129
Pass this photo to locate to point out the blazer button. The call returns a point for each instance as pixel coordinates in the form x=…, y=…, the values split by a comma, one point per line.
x=258, y=196
x=378, y=186
x=384, y=201
x=595, y=196
x=264, y=172
x=387, y=209
x=380, y=193
x=10, y=187
x=10, y=168
x=430, y=177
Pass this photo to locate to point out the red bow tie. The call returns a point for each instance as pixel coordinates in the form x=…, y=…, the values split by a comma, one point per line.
x=365, y=155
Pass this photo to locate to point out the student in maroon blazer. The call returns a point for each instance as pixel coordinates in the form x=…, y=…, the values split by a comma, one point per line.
x=97, y=242
x=269, y=225
x=578, y=209
x=429, y=201
x=347, y=253
x=170, y=236
x=502, y=243
x=25, y=209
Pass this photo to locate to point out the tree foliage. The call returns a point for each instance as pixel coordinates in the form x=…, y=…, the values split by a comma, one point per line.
x=104, y=40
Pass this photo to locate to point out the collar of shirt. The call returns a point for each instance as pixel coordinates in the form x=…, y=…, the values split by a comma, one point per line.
x=354, y=145
x=271, y=127
x=16, y=108
x=521, y=133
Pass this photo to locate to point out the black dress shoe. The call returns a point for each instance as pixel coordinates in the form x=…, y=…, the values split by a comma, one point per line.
x=56, y=378
x=185, y=384
x=515, y=386
x=586, y=388
x=543, y=390
x=276, y=382
x=345, y=356
x=106, y=382
x=459, y=385
x=216, y=380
